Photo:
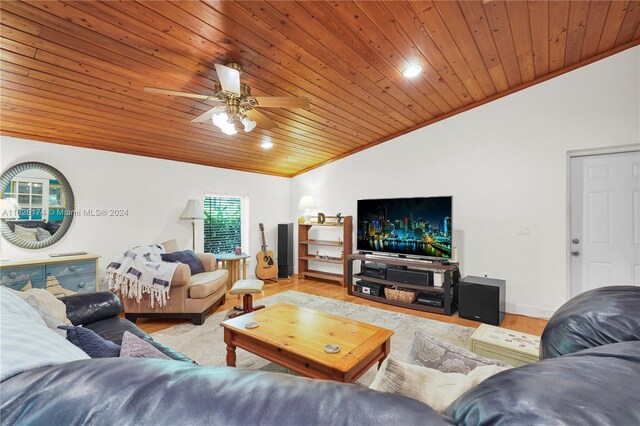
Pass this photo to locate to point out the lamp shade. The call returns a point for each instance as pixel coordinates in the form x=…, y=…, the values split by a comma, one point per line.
x=306, y=202
x=9, y=208
x=193, y=210
x=248, y=123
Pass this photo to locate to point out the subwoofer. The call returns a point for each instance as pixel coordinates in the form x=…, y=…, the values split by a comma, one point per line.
x=285, y=250
x=482, y=299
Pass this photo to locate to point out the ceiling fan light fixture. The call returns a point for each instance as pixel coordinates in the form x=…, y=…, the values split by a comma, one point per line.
x=248, y=123
x=220, y=119
x=412, y=71
x=229, y=129
x=266, y=145
x=235, y=100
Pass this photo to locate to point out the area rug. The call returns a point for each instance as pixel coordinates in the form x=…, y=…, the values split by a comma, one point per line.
x=205, y=343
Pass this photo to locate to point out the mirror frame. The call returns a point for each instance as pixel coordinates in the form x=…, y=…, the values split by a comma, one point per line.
x=8, y=176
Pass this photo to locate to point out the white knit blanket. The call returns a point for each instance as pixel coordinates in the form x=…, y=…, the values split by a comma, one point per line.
x=141, y=270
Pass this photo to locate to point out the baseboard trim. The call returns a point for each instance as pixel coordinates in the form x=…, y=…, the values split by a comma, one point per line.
x=529, y=311
x=286, y=280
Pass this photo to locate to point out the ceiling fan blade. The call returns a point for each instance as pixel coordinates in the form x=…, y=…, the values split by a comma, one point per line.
x=208, y=115
x=229, y=79
x=262, y=120
x=174, y=93
x=279, y=102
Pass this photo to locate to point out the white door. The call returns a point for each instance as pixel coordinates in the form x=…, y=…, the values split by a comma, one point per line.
x=605, y=221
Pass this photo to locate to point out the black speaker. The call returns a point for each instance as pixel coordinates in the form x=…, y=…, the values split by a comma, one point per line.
x=285, y=250
x=482, y=299
x=409, y=276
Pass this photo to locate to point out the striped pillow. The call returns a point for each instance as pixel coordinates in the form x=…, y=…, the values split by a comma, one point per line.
x=26, y=342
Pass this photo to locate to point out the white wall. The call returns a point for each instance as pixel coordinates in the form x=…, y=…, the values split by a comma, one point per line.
x=154, y=191
x=505, y=165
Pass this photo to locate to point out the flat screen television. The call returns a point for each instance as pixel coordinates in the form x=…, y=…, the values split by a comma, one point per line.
x=410, y=226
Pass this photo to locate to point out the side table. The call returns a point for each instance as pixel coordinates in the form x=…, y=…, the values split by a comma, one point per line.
x=510, y=346
x=236, y=264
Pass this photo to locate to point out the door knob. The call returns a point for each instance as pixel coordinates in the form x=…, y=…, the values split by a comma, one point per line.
x=575, y=241
x=575, y=253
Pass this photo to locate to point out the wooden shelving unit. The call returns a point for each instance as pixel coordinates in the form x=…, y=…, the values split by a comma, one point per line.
x=320, y=259
x=322, y=243
x=449, y=289
x=305, y=258
x=324, y=275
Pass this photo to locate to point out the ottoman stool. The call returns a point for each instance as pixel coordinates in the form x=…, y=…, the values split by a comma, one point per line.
x=247, y=288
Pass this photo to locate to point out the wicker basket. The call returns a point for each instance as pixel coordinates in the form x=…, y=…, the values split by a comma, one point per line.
x=400, y=294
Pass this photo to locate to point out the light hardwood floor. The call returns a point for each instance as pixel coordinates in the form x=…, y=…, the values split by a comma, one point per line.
x=335, y=291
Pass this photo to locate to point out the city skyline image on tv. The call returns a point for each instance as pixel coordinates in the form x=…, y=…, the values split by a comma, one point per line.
x=411, y=226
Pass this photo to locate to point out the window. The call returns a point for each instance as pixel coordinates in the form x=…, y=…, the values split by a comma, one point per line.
x=226, y=224
x=32, y=195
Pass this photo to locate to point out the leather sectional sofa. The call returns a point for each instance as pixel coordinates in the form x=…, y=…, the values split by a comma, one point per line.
x=590, y=374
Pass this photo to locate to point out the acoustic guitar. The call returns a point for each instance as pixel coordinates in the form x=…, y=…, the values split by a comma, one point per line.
x=266, y=268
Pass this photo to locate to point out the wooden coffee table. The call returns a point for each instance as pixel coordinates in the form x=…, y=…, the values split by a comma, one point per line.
x=294, y=337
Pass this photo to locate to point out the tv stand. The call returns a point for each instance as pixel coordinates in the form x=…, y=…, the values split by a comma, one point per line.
x=449, y=290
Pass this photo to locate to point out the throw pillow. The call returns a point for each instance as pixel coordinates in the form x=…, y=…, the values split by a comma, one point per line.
x=53, y=227
x=25, y=342
x=433, y=353
x=46, y=314
x=135, y=347
x=28, y=234
x=185, y=256
x=51, y=304
x=170, y=246
x=92, y=344
x=42, y=234
x=432, y=387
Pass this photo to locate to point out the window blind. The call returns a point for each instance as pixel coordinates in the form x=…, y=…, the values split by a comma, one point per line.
x=226, y=224
x=244, y=203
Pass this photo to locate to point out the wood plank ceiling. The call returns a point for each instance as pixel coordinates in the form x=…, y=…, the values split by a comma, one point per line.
x=73, y=72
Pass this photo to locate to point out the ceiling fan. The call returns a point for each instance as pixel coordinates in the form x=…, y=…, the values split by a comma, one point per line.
x=236, y=102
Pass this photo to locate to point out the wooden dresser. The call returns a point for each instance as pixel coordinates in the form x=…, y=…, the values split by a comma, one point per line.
x=76, y=273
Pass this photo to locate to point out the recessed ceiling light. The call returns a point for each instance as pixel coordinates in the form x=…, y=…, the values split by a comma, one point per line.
x=266, y=145
x=412, y=71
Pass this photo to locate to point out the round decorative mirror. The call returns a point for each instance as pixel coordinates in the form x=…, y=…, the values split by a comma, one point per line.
x=37, y=205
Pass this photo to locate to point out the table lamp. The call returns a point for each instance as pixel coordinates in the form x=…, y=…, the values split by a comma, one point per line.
x=306, y=204
x=193, y=211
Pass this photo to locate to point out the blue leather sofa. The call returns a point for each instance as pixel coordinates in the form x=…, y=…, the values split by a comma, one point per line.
x=589, y=374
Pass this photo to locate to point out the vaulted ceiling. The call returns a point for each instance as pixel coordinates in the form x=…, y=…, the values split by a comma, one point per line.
x=73, y=72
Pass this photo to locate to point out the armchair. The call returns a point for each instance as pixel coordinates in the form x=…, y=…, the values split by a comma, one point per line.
x=191, y=297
